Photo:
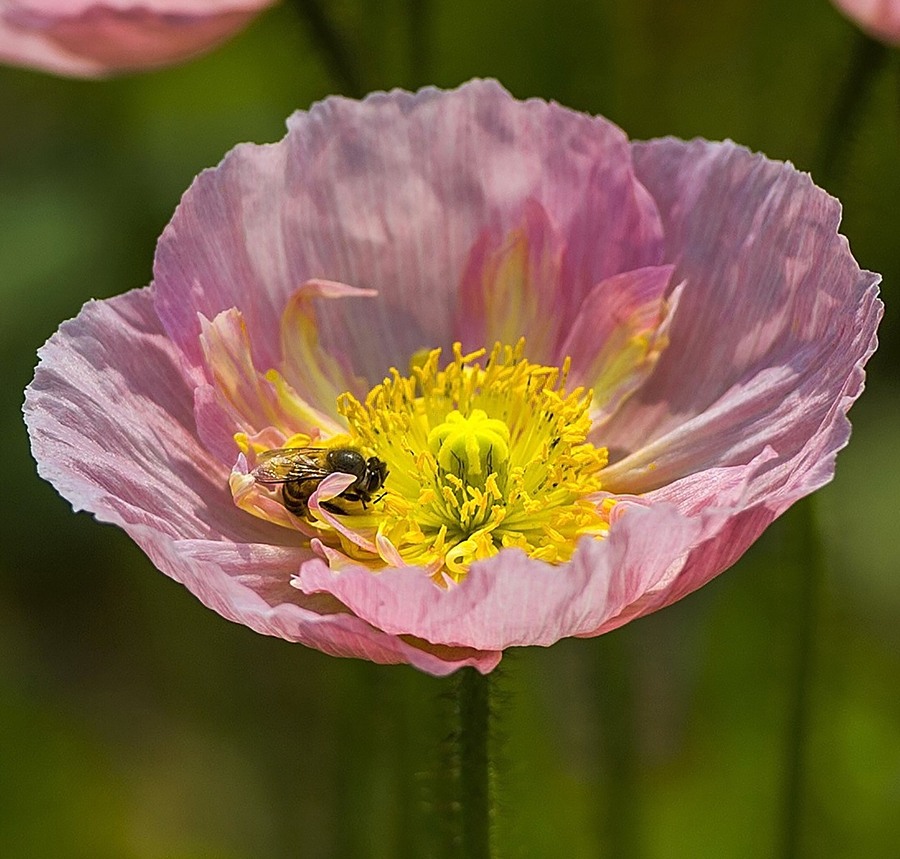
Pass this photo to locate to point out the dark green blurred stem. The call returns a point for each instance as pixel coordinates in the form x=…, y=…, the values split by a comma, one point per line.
x=866, y=59
x=810, y=566
x=473, y=710
x=356, y=756
x=617, y=813
x=341, y=62
x=418, y=17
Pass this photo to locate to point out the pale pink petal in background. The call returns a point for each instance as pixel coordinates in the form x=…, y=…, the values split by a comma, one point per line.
x=879, y=18
x=96, y=38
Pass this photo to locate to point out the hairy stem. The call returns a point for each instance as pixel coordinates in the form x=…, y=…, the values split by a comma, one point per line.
x=473, y=711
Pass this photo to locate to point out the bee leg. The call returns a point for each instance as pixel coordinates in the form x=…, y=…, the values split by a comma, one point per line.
x=357, y=497
x=331, y=507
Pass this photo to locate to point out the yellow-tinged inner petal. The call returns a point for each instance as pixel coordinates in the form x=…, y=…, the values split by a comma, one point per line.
x=485, y=453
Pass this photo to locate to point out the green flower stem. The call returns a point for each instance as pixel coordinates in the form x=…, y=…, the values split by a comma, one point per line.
x=866, y=59
x=475, y=810
x=810, y=566
x=341, y=63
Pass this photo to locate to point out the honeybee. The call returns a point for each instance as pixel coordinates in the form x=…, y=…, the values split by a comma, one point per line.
x=300, y=470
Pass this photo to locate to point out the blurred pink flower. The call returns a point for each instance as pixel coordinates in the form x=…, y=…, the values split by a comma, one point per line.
x=713, y=315
x=95, y=38
x=879, y=18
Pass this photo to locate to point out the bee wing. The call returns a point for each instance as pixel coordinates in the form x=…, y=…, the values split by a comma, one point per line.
x=290, y=463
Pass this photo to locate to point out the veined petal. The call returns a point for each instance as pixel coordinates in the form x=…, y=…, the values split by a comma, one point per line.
x=618, y=336
x=391, y=194
x=256, y=400
x=513, y=600
x=317, y=376
x=510, y=287
x=790, y=326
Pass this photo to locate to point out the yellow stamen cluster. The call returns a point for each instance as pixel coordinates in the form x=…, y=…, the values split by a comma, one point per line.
x=488, y=452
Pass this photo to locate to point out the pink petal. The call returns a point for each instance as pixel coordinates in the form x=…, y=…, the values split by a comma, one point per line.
x=879, y=18
x=511, y=286
x=110, y=419
x=94, y=38
x=725, y=502
x=771, y=333
x=511, y=599
x=622, y=309
x=317, y=376
x=391, y=194
x=239, y=398
x=112, y=427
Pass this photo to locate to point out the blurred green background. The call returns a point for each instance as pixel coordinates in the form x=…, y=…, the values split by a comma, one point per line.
x=135, y=723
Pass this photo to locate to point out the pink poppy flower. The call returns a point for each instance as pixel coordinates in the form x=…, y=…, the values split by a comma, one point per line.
x=879, y=18
x=95, y=38
x=306, y=421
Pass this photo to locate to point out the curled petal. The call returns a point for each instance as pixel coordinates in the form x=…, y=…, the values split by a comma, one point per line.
x=511, y=599
x=772, y=330
x=618, y=336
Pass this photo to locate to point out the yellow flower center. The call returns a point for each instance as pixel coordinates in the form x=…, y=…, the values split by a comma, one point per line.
x=487, y=453
x=455, y=464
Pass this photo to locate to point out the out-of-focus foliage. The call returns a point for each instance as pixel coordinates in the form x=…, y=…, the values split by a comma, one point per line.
x=135, y=723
